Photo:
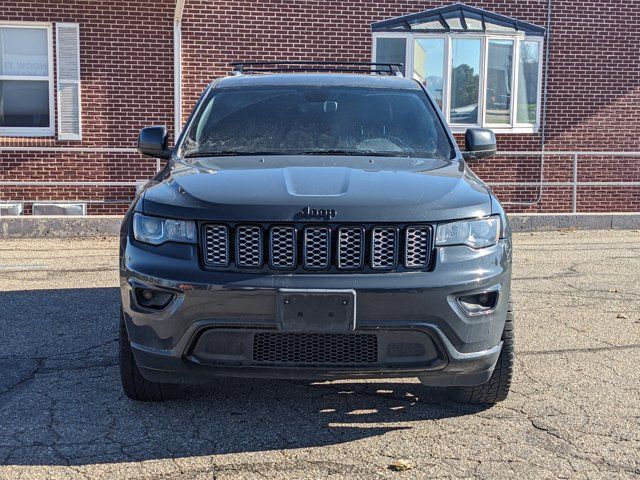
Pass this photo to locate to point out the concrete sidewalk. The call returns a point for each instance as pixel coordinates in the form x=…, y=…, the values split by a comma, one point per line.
x=90, y=226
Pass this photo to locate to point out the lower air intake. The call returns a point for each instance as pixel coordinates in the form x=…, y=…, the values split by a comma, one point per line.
x=315, y=348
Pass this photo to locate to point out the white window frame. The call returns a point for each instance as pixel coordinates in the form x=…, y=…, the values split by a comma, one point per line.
x=517, y=37
x=514, y=75
x=462, y=127
x=34, y=131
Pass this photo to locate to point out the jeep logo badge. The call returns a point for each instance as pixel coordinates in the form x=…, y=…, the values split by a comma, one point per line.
x=318, y=212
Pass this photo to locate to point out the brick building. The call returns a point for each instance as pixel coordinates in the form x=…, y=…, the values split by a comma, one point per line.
x=79, y=78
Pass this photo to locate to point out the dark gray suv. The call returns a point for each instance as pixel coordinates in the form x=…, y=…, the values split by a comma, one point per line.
x=316, y=226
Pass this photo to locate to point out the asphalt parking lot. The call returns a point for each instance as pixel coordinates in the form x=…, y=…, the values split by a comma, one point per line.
x=574, y=411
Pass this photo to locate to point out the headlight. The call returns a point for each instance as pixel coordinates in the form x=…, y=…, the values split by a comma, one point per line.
x=156, y=230
x=474, y=233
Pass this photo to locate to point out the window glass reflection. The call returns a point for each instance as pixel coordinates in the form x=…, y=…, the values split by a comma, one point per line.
x=498, y=92
x=528, y=82
x=428, y=65
x=465, y=80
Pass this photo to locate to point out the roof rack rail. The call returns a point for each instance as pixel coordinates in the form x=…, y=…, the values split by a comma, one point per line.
x=241, y=68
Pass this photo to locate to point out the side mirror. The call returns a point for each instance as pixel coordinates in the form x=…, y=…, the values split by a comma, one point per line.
x=152, y=142
x=479, y=143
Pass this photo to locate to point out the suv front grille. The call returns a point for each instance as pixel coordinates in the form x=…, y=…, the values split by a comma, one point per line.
x=216, y=247
x=320, y=248
x=249, y=246
x=350, y=247
x=384, y=247
x=316, y=249
x=283, y=248
x=417, y=252
x=315, y=348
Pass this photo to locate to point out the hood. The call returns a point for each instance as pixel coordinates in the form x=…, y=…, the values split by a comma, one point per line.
x=318, y=188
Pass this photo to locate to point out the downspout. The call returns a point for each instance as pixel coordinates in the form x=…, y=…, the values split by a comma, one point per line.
x=543, y=125
x=177, y=69
x=547, y=46
x=543, y=122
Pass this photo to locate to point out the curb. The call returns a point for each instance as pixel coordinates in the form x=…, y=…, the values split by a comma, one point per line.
x=541, y=222
x=59, y=226
x=90, y=226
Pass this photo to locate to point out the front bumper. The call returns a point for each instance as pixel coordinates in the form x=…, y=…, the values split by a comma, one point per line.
x=210, y=328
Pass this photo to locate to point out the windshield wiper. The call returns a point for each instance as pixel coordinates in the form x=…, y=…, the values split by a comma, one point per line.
x=235, y=153
x=219, y=153
x=356, y=153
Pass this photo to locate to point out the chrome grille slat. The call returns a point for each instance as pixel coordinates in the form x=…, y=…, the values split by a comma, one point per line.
x=293, y=247
x=351, y=248
x=283, y=247
x=216, y=251
x=249, y=251
x=316, y=251
x=417, y=243
x=384, y=248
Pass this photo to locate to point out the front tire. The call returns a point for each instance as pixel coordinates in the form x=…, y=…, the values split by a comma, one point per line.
x=135, y=386
x=496, y=389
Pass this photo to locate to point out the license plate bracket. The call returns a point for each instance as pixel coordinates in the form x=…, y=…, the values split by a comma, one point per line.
x=316, y=310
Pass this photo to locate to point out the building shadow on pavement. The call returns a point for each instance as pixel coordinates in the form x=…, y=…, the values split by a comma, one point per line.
x=61, y=401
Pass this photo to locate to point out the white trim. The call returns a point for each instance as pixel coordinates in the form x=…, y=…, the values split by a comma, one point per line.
x=23, y=23
x=36, y=183
x=177, y=69
x=497, y=129
x=177, y=14
x=408, y=59
x=68, y=149
x=446, y=94
x=68, y=136
x=517, y=37
x=515, y=76
x=36, y=78
x=34, y=131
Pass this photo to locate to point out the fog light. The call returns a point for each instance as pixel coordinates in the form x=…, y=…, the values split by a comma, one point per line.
x=152, y=299
x=479, y=303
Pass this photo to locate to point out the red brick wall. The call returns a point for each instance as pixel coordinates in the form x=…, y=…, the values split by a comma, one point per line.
x=126, y=62
x=127, y=82
x=594, y=78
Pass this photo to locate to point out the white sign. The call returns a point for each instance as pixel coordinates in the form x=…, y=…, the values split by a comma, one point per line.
x=25, y=65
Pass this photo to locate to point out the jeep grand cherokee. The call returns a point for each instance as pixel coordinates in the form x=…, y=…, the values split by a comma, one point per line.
x=316, y=226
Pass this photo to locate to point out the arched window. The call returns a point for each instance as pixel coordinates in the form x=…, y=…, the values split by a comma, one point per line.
x=483, y=69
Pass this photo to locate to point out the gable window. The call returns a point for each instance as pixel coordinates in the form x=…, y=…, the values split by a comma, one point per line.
x=26, y=80
x=482, y=69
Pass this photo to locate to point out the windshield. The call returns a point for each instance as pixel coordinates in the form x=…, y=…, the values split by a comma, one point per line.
x=334, y=120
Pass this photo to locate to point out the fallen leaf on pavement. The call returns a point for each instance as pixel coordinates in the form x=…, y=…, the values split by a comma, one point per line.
x=400, y=465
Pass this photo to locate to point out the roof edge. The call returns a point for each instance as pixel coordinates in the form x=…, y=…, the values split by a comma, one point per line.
x=520, y=25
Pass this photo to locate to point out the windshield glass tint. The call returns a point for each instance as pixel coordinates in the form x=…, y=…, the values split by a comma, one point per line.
x=317, y=120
